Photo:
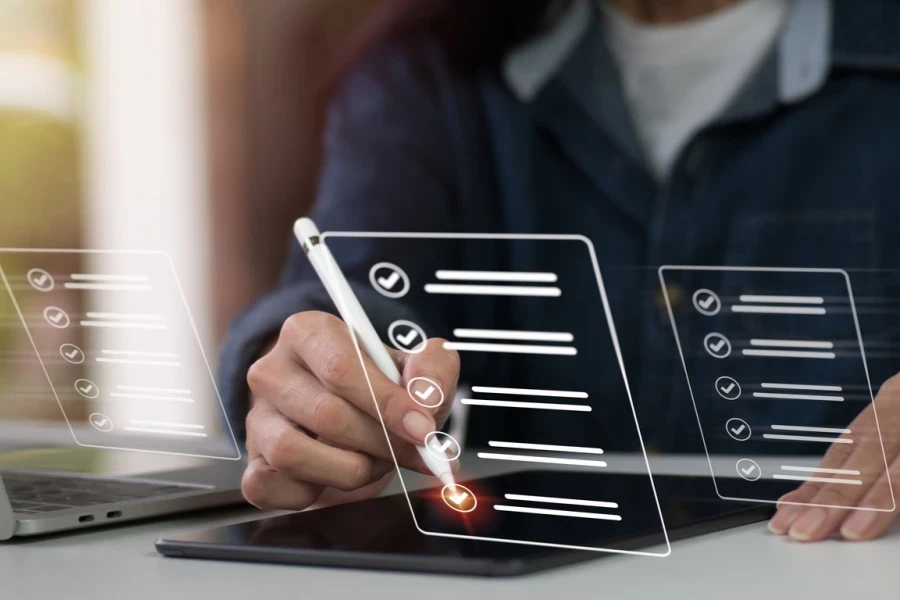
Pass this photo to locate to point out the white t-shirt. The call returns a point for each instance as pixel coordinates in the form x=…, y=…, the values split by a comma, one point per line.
x=679, y=78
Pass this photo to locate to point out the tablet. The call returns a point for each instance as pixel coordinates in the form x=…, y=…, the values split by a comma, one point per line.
x=381, y=534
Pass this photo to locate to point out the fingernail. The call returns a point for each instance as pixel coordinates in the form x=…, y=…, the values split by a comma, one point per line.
x=781, y=522
x=857, y=525
x=804, y=528
x=418, y=425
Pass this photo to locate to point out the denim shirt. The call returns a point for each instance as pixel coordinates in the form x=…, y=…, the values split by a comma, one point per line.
x=802, y=171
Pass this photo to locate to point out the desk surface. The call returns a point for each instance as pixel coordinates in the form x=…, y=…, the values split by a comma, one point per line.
x=748, y=562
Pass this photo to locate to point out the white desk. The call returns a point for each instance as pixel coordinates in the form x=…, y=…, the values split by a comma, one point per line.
x=121, y=564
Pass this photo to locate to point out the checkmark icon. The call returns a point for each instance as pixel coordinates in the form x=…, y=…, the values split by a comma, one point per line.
x=72, y=354
x=441, y=448
x=88, y=389
x=458, y=498
x=425, y=395
x=748, y=469
x=727, y=389
x=717, y=345
x=40, y=280
x=709, y=301
x=390, y=281
x=101, y=422
x=56, y=317
x=408, y=338
x=425, y=392
x=739, y=431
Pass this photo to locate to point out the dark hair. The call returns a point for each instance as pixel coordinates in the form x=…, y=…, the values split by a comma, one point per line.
x=475, y=34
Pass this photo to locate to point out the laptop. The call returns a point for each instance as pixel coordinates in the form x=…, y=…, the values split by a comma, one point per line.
x=36, y=502
x=108, y=407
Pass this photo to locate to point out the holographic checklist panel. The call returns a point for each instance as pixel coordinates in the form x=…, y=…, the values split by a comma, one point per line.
x=114, y=336
x=777, y=370
x=550, y=399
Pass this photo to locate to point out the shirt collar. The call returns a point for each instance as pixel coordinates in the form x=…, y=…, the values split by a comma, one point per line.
x=803, y=52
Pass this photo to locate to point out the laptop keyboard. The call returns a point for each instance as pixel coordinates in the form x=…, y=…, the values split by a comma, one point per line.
x=34, y=494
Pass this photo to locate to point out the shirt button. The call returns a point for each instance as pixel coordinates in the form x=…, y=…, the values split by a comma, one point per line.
x=676, y=297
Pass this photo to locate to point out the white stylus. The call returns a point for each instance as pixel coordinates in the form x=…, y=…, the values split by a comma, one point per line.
x=353, y=314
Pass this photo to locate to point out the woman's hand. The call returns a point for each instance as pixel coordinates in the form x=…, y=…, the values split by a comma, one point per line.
x=314, y=432
x=810, y=524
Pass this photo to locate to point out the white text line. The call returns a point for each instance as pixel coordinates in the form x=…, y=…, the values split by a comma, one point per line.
x=492, y=290
x=545, y=447
x=503, y=334
x=511, y=348
x=789, y=354
x=796, y=386
x=806, y=438
x=793, y=344
x=542, y=459
x=568, y=501
x=777, y=310
x=817, y=479
x=521, y=277
x=480, y=389
x=782, y=299
x=809, y=429
x=557, y=513
x=531, y=405
x=798, y=397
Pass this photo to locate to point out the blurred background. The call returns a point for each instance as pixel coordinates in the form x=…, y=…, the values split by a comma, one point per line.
x=189, y=126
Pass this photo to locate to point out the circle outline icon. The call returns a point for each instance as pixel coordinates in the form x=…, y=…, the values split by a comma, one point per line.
x=47, y=310
x=750, y=462
x=732, y=380
x=90, y=395
x=710, y=352
x=732, y=434
x=705, y=311
x=45, y=289
x=454, y=507
x=395, y=269
x=416, y=349
x=62, y=352
x=434, y=452
x=417, y=399
x=104, y=429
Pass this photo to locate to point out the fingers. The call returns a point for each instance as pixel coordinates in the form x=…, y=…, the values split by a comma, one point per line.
x=869, y=524
x=300, y=397
x=818, y=522
x=434, y=366
x=322, y=343
x=295, y=454
x=264, y=487
x=844, y=464
x=791, y=506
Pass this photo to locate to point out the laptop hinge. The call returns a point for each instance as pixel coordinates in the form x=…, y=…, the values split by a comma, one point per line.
x=7, y=521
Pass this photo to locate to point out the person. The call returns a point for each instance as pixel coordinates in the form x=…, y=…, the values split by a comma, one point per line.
x=723, y=132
